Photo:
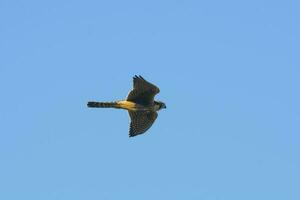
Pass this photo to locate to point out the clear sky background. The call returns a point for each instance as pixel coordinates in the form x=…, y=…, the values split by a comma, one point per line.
x=228, y=72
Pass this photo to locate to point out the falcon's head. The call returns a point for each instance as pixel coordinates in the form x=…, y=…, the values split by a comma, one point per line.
x=160, y=104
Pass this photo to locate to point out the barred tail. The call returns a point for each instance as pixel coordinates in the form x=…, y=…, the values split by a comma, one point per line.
x=93, y=104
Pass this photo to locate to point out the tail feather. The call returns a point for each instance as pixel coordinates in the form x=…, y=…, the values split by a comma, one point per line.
x=93, y=104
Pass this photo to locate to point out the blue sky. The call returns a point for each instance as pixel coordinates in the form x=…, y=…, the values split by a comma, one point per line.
x=228, y=72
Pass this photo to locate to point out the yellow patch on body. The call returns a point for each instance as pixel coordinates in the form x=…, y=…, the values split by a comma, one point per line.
x=128, y=105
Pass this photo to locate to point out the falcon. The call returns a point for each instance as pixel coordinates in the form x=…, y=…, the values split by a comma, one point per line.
x=140, y=104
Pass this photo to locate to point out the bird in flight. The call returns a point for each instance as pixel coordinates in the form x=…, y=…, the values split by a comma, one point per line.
x=140, y=103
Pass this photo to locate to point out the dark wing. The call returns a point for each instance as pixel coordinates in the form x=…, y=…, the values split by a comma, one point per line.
x=141, y=121
x=143, y=92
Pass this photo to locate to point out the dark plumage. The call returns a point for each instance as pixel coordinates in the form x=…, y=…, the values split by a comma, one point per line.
x=140, y=103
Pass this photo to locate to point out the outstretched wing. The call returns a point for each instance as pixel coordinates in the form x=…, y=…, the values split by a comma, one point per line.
x=143, y=92
x=141, y=121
